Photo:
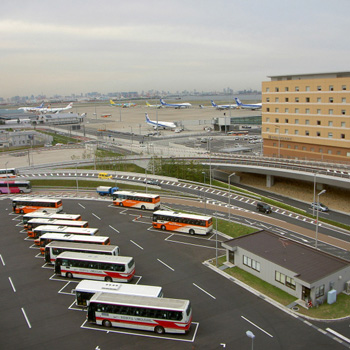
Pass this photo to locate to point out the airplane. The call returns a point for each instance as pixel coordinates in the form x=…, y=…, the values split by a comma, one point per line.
x=159, y=124
x=154, y=106
x=175, y=105
x=221, y=107
x=31, y=109
x=123, y=105
x=56, y=110
x=248, y=106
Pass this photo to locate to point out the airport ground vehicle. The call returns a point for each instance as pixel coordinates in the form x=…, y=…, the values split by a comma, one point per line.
x=106, y=190
x=15, y=187
x=41, y=230
x=152, y=182
x=26, y=205
x=136, y=200
x=263, y=207
x=145, y=313
x=181, y=222
x=33, y=223
x=104, y=176
x=95, y=266
x=42, y=213
x=87, y=288
x=46, y=238
x=9, y=172
x=53, y=249
x=319, y=206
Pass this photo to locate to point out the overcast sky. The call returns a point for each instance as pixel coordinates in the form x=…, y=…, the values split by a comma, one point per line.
x=79, y=46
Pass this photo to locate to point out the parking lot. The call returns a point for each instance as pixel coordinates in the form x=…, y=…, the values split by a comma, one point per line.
x=38, y=307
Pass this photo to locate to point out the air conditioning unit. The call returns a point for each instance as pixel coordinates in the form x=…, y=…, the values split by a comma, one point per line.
x=347, y=287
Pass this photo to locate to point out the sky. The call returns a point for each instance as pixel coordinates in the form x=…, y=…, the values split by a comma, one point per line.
x=79, y=46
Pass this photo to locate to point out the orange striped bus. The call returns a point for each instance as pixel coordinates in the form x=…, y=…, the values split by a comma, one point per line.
x=136, y=200
x=24, y=205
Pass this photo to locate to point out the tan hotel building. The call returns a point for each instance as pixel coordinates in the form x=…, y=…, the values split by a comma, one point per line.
x=307, y=116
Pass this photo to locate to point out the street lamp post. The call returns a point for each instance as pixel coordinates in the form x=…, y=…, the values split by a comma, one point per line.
x=205, y=200
x=313, y=208
x=318, y=209
x=7, y=182
x=250, y=335
x=76, y=176
x=229, y=197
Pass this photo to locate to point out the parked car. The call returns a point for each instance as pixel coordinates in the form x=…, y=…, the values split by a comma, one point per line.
x=264, y=208
x=104, y=176
x=319, y=206
x=152, y=182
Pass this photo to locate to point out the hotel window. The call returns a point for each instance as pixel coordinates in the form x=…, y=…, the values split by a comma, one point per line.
x=330, y=135
x=307, y=122
x=267, y=99
x=343, y=111
x=331, y=100
x=307, y=110
x=318, y=111
x=267, y=109
x=297, y=99
x=277, y=89
x=296, y=147
x=330, y=111
x=267, y=89
x=318, y=99
x=320, y=150
x=319, y=122
x=296, y=121
x=267, y=120
x=307, y=88
x=319, y=291
x=307, y=133
x=307, y=99
x=342, y=136
x=286, y=88
x=304, y=148
x=343, y=87
x=286, y=121
x=288, y=146
x=286, y=131
x=255, y=265
x=296, y=132
x=296, y=110
x=331, y=88
x=267, y=129
x=286, y=99
x=343, y=100
x=277, y=99
x=277, y=110
x=330, y=123
x=286, y=110
x=297, y=88
x=319, y=88
x=329, y=151
x=312, y=149
x=277, y=130
x=342, y=124
x=318, y=134
x=338, y=153
x=277, y=120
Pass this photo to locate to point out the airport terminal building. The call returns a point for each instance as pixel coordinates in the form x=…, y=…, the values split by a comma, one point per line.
x=307, y=116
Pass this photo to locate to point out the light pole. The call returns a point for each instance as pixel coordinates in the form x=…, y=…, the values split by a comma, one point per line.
x=7, y=182
x=205, y=200
x=250, y=335
x=229, y=196
x=318, y=209
x=313, y=208
x=76, y=176
x=216, y=239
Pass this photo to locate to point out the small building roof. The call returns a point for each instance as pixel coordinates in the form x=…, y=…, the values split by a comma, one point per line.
x=309, y=264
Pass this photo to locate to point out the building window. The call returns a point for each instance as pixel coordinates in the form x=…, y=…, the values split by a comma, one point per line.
x=267, y=89
x=319, y=122
x=267, y=129
x=319, y=292
x=290, y=282
x=267, y=109
x=304, y=148
x=307, y=88
x=285, y=280
x=307, y=110
x=296, y=147
x=329, y=151
x=297, y=88
x=343, y=87
x=318, y=111
x=330, y=135
x=277, y=89
x=286, y=99
x=318, y=133
x=277, y=110
x=277, y=131
x=267, y=99
x=253, y=264
x=307, y=122
x=286, y=131
x=286, y=110
x=297, y=99
x=277, y=120
x=331, y=88
x=320, y=150
x=331, y=100
x=342, y=124
x=307, y=99
x=286, y=121
x=296, y=121
x=319, y=88
x=330, y=123
x=288, y=146
x=296, y=132
x=343, y=100
x=267, y=120
x=343, y=111
x=307, y=133
x=330, y=111
x=318, y=99
x=296, y=110
x=277, y=99
x=342, y=136
x=312, y=149
x=286, y=88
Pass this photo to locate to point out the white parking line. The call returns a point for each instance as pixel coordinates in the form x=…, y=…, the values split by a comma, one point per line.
x=113, y=228
x=81, y=205
x=12, y=285
x=2, y=260
x=253, y=324
x=136, y=244
x=203, y=290
x=162, y=262
x=96, y=216
x=25, y=316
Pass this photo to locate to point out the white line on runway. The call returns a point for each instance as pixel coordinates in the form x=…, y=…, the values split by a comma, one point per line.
x=81, y=205
x=136, y=244
x=12, y=285
x=113, y=228
x=25, y=316
x=96, y=216
x=257, y=326
x=2, y=260
x=204, y=291
x=162, y=262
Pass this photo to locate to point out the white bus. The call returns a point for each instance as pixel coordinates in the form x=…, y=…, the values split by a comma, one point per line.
x=46, y=238
x=43, y=214
x=136, y=200
x=57, y=247
x=33, y=223
x=9, y=172
x=181, y=222
x=24, y=205
x=99, y=267
x=41, y=230
x=145, y=313
x=86, y=289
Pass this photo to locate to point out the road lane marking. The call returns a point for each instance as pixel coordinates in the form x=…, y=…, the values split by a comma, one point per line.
x=162, y=262
x=338, y=335
x=25, y=316
x=113, y=228
x=81, y=205
x=253, y=324
x=136, y=244
x=203, y=290
x=12, y=285
x=96, y=216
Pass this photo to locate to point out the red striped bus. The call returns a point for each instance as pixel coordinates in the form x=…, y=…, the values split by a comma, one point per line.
x=181, y=222
x=43, y=214
x=15, y=187
x=41, y=230
x=97, y=267
x=136, y=200
x=26, y=205
x=33, y=223
x=161, y=315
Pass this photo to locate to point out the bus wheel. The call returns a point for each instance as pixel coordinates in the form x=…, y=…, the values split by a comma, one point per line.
x=69, y=275
x=191, y=232
x=20, y=191
x=21, y=211
x=108, y=279
x=159, y=330
x=120, y=204
x=143, y=207
x=107, y=323
x=163, y=227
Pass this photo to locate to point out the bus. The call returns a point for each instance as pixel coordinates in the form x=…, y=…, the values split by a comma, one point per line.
x=26, y=205
x=145, y=313
x=9, y=172
x=136, y=200
x=42, y=213
x=33, y=223
x=95, y=266
x=46, y=238
x=15, y=187
x=57, y=247
x=181, y=222
x=87, y=288
x=41, y=230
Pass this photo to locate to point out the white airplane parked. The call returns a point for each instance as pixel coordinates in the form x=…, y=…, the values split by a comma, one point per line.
x=175, y=105
x=153, y=106
x=32, y=109
x=222, y=106
x=160, y=124
x=56, y=110
x=248, y=106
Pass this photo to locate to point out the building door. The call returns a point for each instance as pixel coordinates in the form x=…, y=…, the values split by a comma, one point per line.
x=305, y=293
x=231, y=257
